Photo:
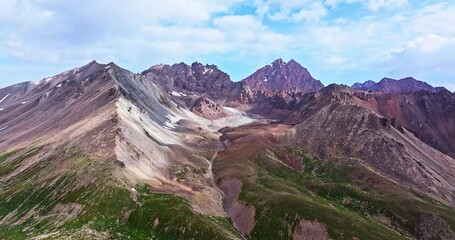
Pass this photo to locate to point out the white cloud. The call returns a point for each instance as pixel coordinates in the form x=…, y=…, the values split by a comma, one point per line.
x=291, y=10
x=250, y=36
x=430, y=43
x=376, y=5
x=335, y=3
x=373, y=5
x=23, y=12
x=313, y=13
x=423, y=54
x=336, y=60
x=63, y=30
x=434, y=19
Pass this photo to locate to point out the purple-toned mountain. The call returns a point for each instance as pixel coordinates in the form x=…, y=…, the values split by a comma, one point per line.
x=389, y=85
x=364, y=86
x=282, y=75
x=189, y=79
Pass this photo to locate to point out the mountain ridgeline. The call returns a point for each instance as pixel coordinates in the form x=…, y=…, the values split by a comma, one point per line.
x=405, y=85
x=183, y=152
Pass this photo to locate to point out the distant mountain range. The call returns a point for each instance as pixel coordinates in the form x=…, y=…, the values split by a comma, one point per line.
x=183, y=152
x=405, y=85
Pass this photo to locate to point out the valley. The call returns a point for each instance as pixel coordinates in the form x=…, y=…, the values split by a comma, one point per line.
x=182, y=152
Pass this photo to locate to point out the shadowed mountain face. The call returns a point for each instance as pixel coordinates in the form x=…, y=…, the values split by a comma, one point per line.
x=182, y=152
x=389, y=85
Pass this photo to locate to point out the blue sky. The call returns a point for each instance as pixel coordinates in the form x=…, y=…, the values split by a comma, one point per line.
x=339, y=41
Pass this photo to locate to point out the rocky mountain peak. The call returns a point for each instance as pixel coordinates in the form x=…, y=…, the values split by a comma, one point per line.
x=281, y=75
x=278, y=62
x=196, y=78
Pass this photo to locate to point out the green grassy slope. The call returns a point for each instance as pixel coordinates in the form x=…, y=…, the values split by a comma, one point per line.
x=42, y=199
x=71, y=195
x=350, y=200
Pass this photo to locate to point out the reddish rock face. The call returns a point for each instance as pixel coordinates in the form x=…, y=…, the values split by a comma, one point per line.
x=283, y=76
x=430, y=116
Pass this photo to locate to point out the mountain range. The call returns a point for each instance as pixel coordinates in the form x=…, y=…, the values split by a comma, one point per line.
x=183, y=152
x=405, y=85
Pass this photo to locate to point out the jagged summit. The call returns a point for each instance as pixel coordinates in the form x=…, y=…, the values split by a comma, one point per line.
x=194, y=78
x=281, y=75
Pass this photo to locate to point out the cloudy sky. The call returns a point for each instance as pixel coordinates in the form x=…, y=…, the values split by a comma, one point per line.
x=341, y=41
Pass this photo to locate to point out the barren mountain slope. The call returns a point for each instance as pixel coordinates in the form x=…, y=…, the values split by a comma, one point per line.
x=431, y=116
x=96, y=143
x=277, y=187
x=343, y=121
x=353, y=132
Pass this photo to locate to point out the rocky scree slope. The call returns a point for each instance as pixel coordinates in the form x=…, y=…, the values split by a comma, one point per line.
x=103, y=135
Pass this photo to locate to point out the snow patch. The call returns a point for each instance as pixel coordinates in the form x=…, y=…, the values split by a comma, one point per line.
x=231, y=121
x=178, y=94
x=4, y=97
x=173, y=119
x=234, y=119
x=24, y=102
x=265, y=79
x=207, y=70
x=59, y=85
x=75, y=70
x=1, y=109
x=3, y=128
x=48, y=79
x=233, y=111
